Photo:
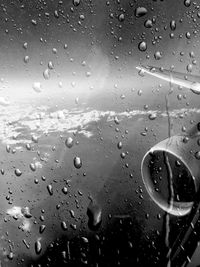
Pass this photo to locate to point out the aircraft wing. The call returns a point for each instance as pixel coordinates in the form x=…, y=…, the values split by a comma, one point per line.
x=171, y=77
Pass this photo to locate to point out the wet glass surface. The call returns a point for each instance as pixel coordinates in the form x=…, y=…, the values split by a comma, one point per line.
x=99, y=137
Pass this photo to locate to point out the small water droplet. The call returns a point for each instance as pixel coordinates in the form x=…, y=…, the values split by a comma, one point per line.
x=158, y=55
x=197, y=155
x=173, y=25
x=50, y=65
x=152, y=116
x=26, y=212
x=38, y=247
x=140, y=11
x=142, y=46
x=64, y=190
x=26, y=59
x=32, y=167
x=187, y=3
x=119, y=145
x=37, y=87
x=18, y=172
x=25, y=45
x=64, y=225
x=46, y=74
x=148, y=23
x=50, y=189
x=189, y=68
x=94, y=215
x=42, y=228
x=10, y=255
x=34, y=22
x=121, y=17
x=188, y=35
x=77, y=162
x=76, y=2
x=54, y=50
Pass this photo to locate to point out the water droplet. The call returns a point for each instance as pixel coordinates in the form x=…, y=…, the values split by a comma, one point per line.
x=123, y=155
x=152, y=116
x=26, y=212
x=64, y=225
x=158, y=55
x=142, y=46
x=37, y=87
x=34, y=138
x=64, y=190
x=119, y=145
x=82, y=17
x=173, y=25
x=34, y=22
x=188, y=35
x=72, y=214
x=148, y=23
x=77, y=162
x=187, y=3
x=25, y=45
x=32, y=167
x=38, y=247
x=76, y=2
x=121, y=17
x=140, y=11
x=116, y=120
x=54, y=50
x=26, y=59
x=189, y=68
x=197, y=155
x=50, y=189
x=42, y=228
x=18, y=172
x=50, y=65
x=94, y=215
x=69, y=142
x=56, y=15
x=8, y=148
x=46, y=74
x=179, y=97
x=10, y=255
